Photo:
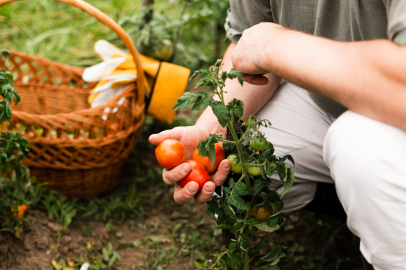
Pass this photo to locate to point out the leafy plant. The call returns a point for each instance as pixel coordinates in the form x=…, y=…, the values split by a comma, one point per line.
x=242, y=191
x=13, y=148
x=177, y=38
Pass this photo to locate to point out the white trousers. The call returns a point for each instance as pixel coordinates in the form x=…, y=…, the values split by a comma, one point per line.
x=366, y=160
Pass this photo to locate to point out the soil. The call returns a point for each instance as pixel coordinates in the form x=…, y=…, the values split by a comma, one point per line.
x=39, y=244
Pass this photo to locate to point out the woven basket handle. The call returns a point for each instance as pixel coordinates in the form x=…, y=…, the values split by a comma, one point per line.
x=103, y=18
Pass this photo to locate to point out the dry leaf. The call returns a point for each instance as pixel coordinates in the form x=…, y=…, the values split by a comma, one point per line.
x=69, y=262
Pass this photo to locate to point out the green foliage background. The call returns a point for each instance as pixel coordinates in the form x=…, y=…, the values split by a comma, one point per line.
x=57, y=31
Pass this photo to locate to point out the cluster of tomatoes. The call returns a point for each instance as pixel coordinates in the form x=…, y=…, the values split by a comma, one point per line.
x=171, y=153
x=258, y=143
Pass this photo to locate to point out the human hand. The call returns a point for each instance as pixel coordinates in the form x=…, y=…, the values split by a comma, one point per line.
x=190, y=138
x=247, y=55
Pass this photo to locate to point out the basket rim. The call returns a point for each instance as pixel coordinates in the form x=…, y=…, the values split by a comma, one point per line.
x=113, y=102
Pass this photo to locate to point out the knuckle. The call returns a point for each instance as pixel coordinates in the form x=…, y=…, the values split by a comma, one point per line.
x=166, y=176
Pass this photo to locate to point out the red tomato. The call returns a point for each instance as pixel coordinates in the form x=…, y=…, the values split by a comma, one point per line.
x=197, y=174
x=170, y=153
x=205, y=161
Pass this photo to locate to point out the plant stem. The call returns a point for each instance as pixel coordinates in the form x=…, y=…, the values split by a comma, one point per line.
x=227, y=141
x=240, y=153
x=254, y=165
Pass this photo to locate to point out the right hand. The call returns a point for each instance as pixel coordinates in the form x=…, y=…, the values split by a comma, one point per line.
x=190, y=138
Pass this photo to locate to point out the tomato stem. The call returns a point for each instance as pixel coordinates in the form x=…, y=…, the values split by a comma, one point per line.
x=240, y=153
x=226, y=141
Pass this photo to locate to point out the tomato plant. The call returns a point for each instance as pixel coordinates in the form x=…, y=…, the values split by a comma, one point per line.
x=170, y=153
x=205, y=161
x=197, y=174
x=235, y=166
x=13, y=148
x=262, y=213
x=249, y=178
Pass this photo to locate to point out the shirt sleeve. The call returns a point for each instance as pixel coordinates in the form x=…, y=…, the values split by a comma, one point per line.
x=396, y=10
x=246, y=13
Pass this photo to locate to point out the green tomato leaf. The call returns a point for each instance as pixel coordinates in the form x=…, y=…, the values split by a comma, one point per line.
x=244, y=241
x=241, y=189
x=184, y=101
x=266, y=228
x=235, y=74
x=261, y=245
x=273, y=255
x=289, y=157
x=289, y=182
x=236, y=108
x=206, y=147
x=282, y=169
x=270, y=168
x=201, y=101
x=220, y=110
x=232, y=247
x=258, y=185
x=253, y=221
x=274, y=220
x=228, y=210
x=278, y=205
x=237, y=201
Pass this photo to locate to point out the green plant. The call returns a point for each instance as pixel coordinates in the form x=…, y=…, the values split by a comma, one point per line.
x=242, y=193
x=177, y=37
x=13, y=148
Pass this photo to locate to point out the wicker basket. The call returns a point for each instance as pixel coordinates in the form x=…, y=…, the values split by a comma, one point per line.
x=76, y=149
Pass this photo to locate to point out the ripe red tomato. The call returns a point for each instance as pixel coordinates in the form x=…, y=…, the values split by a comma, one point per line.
x=170, y=153
x=197, y=174
x=205, y=161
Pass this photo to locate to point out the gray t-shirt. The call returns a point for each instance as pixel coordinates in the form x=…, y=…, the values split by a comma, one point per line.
x=342, y=20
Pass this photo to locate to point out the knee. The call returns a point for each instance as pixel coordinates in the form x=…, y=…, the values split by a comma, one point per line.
x=358, y=150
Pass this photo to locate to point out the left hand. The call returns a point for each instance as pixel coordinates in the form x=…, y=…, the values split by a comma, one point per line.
x=247, y=56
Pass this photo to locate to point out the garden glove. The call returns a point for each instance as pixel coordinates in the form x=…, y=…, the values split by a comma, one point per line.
x=164, y=84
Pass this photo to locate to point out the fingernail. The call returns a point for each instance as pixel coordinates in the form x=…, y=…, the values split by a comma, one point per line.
x=186, y=168
x=209, y=189
x=192, y=188
x=226, y=166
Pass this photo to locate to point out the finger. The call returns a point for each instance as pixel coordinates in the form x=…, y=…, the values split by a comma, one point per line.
x=155, y=139
x=206, y=193
x=185, y=194
x=220, y=176
x=255, y=79
x=170, y=177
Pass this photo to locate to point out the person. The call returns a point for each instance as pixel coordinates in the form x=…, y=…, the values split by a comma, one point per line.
x=347, y=127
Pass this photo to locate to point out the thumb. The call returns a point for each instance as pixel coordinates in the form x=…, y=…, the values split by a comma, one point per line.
x=155, y=139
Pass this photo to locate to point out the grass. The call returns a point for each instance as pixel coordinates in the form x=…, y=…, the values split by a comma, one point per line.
x=65, y=34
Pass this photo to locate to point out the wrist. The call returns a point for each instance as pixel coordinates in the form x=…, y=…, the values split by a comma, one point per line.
x=268, y=53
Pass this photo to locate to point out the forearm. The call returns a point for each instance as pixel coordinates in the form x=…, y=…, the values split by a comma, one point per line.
x=367, y=77
x=253, y=96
